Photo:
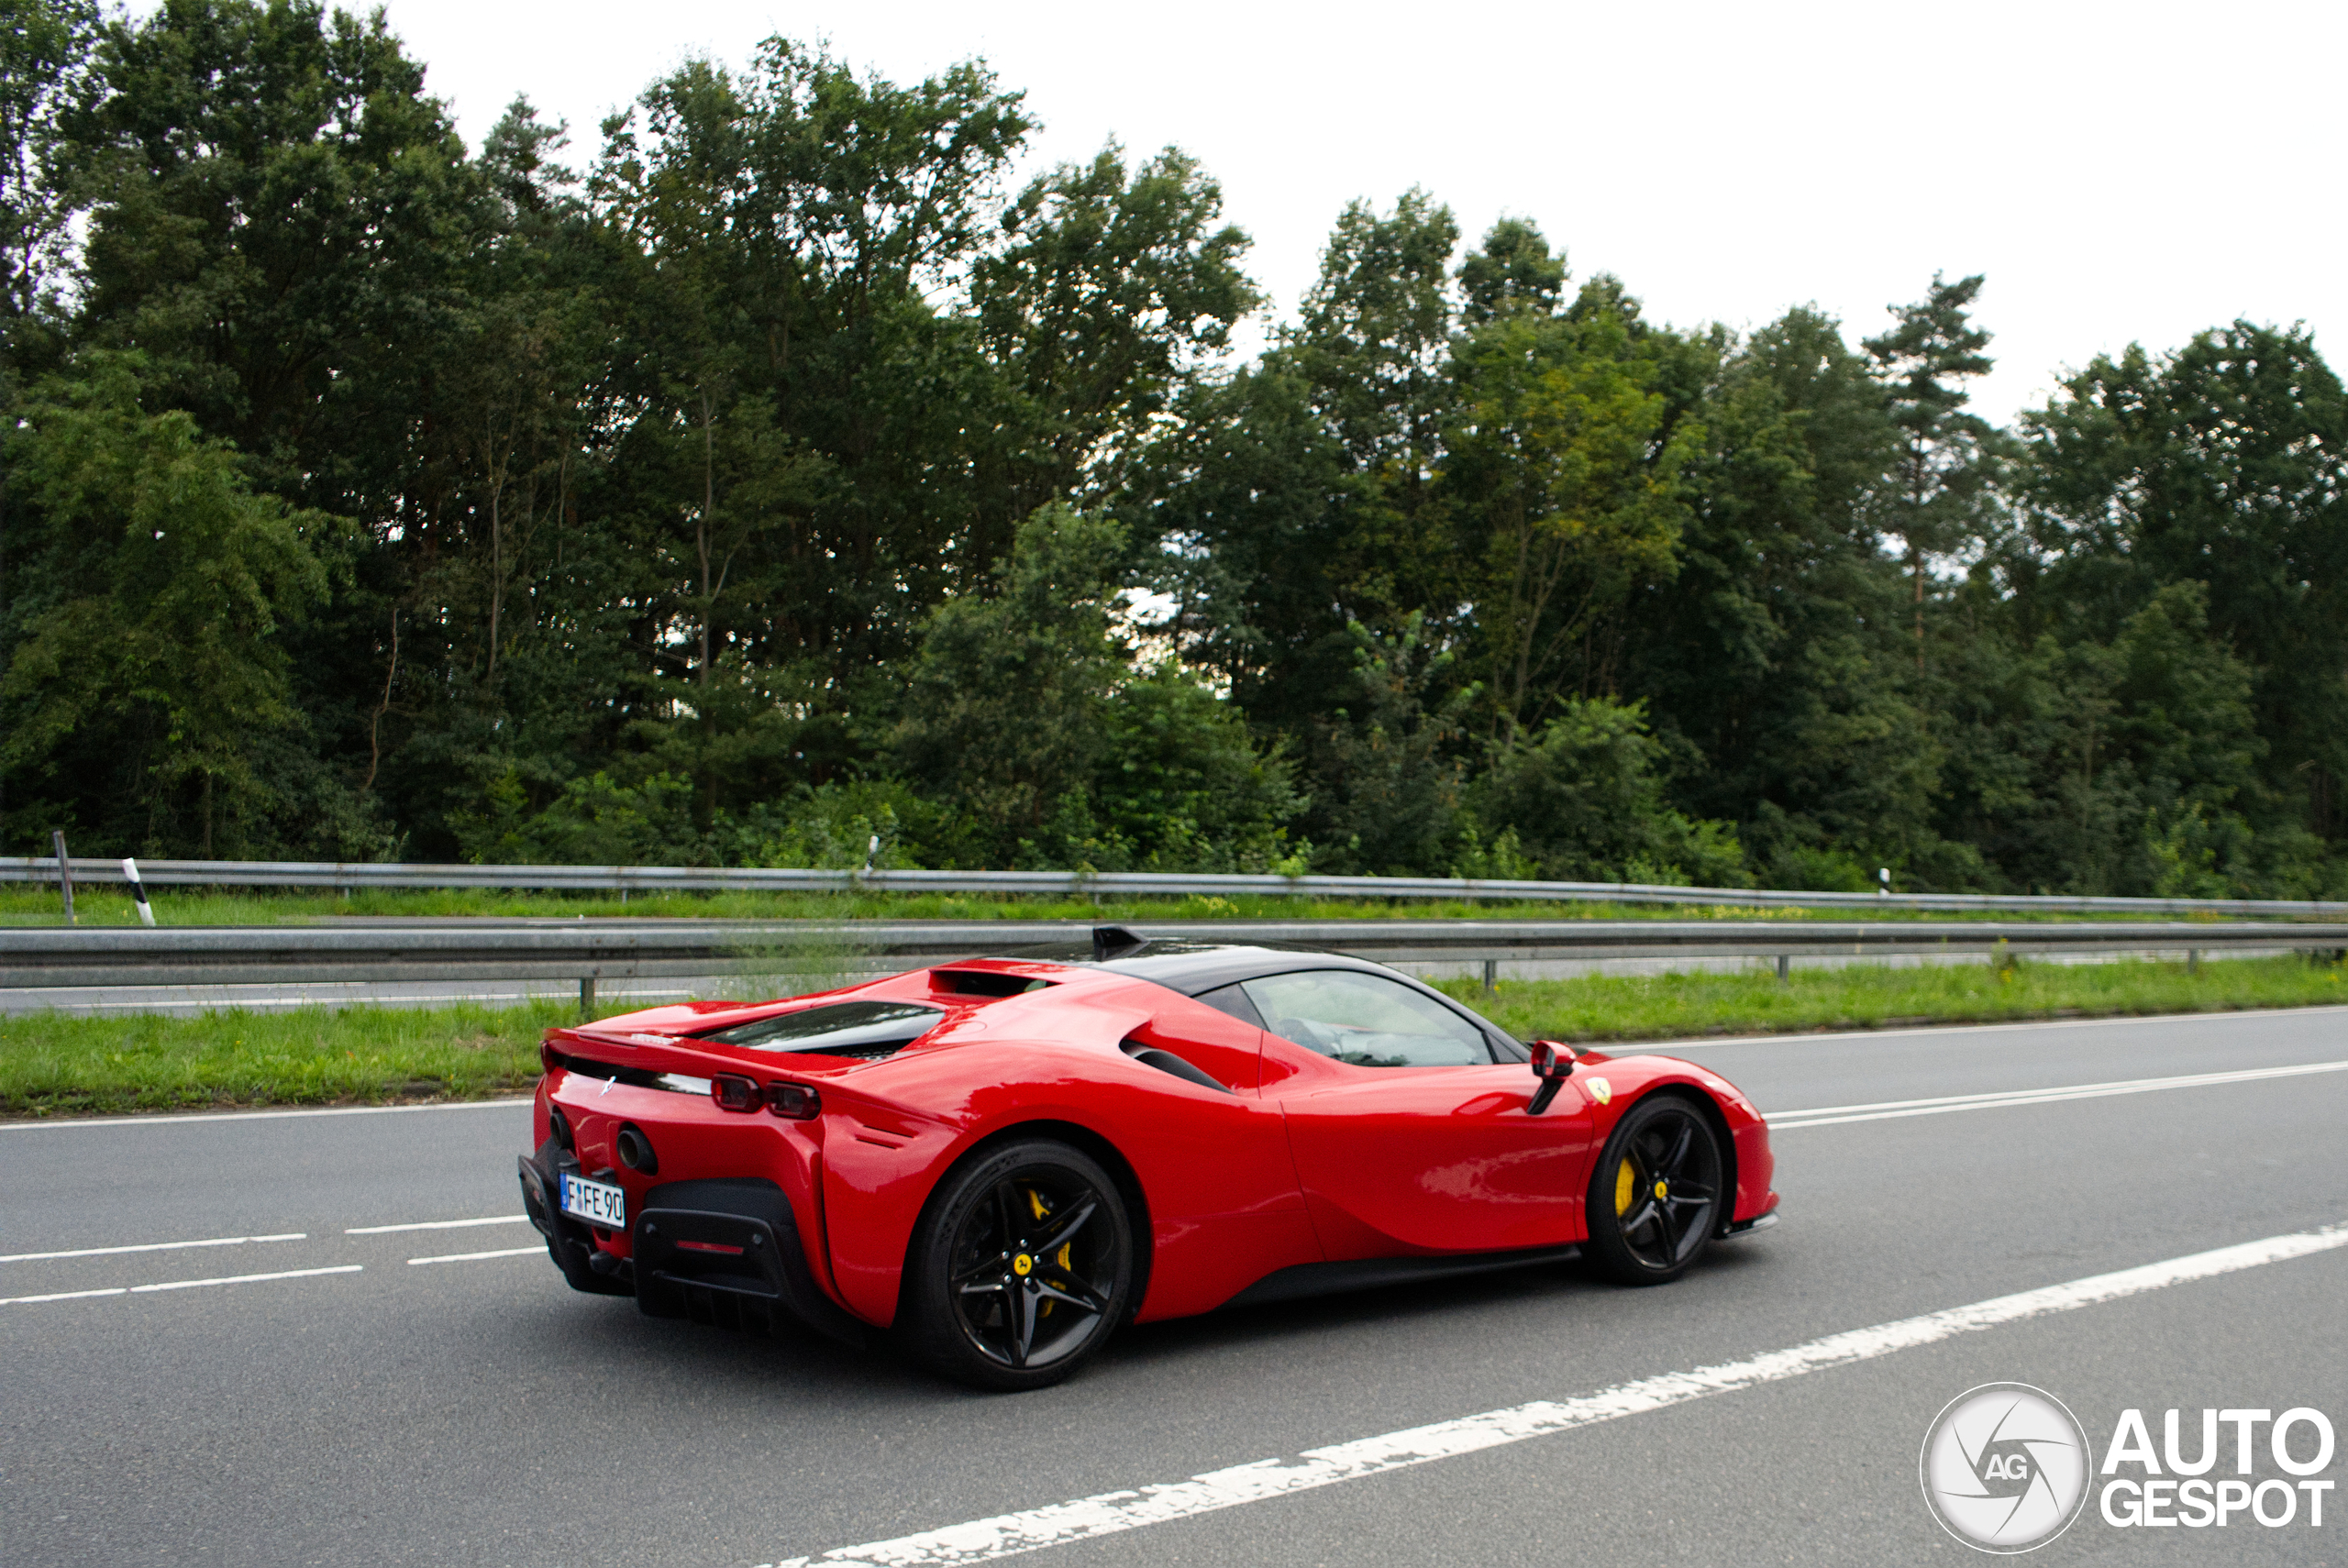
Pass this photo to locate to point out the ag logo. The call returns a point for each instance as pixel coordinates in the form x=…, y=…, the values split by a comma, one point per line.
x=2005, y=1468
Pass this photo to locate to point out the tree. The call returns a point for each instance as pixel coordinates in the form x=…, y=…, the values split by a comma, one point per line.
x=1372, y=341
x=1387, y=758
x=1584, y=801
x=2224, y=463
x=1512, y=271
x=280, y=220
x=44, y=60
x=1296, y=499
x=1003, y=715
x=139, y=694
x=1946, y=464
x=1561, y=460
x=1116, y=288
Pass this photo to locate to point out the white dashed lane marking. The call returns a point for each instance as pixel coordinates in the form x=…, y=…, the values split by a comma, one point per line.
x=152, y=1247
x=180, y=1285
x=471, y=1257
x=434, y=1225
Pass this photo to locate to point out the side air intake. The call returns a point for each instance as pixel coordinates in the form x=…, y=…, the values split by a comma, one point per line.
x=1166, y=1062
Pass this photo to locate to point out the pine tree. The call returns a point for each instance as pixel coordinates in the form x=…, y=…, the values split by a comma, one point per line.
x=1947, y=458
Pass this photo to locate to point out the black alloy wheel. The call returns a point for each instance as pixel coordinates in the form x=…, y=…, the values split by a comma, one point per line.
x=1655, y=1197
x=1022, y=1265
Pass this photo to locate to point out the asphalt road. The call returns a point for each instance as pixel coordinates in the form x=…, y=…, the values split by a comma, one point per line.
x=477, y=1411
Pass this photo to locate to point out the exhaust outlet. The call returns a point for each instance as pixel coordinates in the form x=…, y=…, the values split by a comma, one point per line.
x=634, y=1150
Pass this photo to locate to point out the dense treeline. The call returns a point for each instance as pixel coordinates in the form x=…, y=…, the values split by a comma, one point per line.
x=785, y=479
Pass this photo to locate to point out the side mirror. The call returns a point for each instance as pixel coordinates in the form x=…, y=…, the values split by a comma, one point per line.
x=1552, y=1063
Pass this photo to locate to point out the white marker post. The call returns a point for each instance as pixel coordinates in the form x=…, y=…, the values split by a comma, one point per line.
x=137, y=891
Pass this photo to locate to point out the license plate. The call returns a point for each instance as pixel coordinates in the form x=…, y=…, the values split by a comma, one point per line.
x=597, y=1203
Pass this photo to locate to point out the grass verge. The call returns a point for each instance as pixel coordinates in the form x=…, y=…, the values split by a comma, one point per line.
x=1676, y=1007
x=53, y=1065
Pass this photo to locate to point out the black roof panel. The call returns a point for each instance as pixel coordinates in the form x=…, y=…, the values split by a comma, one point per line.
x=1191, y=967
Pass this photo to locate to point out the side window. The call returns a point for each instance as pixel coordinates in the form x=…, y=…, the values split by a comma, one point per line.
x=1367, y=1020
x=1233, y=1000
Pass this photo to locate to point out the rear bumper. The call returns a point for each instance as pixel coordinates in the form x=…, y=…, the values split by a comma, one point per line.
x=570, y=1243
x=723, y=1251
x=729, y=1251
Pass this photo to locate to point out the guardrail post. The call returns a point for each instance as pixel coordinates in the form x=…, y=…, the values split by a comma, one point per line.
x=586, y=996
x=2193, y=960
x=1491, y=975
x=1785, y=968
x=65, y=872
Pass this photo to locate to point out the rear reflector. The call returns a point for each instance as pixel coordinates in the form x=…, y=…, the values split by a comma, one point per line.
x=708, y=1247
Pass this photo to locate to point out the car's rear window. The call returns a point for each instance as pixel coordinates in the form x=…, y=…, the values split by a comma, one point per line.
x=842, y=1029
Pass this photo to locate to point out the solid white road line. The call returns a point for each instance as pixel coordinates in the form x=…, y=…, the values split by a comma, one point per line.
x=260, y=1115
x=430, y=1225
x=1832, y=1115
x=468, y=1257
x=180, y=1285
x=1006, y=1535
x=1829, y=1036
x=152, y=1247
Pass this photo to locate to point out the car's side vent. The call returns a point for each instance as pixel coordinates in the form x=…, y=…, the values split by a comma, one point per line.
x=983, y=983
x=1166, y=1062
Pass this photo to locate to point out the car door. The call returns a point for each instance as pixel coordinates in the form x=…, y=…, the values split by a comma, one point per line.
x=1408, y=1137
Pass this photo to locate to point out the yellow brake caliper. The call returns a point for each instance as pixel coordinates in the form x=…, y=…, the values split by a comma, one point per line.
x=1035, y=1202
x=1626, y=1181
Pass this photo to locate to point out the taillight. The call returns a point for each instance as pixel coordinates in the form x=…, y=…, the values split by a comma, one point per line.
x=734, y=1092
x=795, y=1102
x=549, y=1059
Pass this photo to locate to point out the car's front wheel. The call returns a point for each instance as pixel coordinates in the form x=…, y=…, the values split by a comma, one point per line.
x=1656, y=1195
x=1023, y=1264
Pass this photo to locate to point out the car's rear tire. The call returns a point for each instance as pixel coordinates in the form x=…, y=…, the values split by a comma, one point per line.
x=1656, y=1193
x=1021, y=1267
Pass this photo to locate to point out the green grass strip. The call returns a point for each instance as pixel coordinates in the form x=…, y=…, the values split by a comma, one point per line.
x=53, y=1065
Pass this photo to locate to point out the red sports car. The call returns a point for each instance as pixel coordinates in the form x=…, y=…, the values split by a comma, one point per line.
x=1001, y=1160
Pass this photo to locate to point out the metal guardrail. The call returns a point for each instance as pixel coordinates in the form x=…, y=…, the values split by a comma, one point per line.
x=352, y=875
x=52, y=957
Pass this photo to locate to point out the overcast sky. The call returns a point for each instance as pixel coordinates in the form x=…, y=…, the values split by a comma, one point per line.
x=2119, y=171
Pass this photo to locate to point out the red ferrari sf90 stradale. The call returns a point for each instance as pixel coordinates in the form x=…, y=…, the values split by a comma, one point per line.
x=1001, y=1160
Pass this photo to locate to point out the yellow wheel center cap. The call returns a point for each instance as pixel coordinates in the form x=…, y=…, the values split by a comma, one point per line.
x=1661, y=1190
x=1021, y=1264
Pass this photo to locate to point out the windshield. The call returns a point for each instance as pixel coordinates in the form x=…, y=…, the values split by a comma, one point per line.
x=842, y=1028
